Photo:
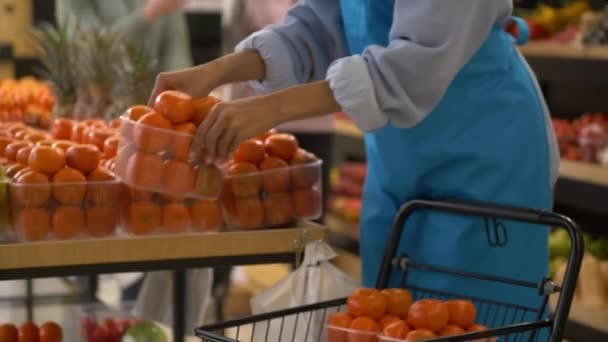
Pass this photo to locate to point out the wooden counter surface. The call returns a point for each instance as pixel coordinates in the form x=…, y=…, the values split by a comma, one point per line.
x=156, y=248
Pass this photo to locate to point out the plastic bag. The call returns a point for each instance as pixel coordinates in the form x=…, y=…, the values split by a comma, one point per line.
x=155, y=300
x=316, y=280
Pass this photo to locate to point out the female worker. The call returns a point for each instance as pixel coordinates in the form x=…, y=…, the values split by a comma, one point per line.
x=449, y=110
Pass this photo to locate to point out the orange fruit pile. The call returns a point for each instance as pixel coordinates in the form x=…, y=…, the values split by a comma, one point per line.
x=392, y=314
x=155, y=161
x=155, y=154
x=26, y=100
x=271, y=181
x=59, y=186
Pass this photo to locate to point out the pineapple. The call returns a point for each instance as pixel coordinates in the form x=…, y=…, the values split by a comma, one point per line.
x=94, y=71
x=97, y=70
x=56, y=51
x=136, y=71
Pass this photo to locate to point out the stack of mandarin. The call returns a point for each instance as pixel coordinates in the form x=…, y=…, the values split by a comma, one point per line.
x=58, y=187
x=391, y=315
x=168, y=191
x=270, y=181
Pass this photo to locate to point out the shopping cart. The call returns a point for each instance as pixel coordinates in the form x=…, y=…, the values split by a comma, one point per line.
x=507, y=321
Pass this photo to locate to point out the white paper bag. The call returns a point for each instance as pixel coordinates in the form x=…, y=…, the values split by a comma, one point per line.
x=155, y=300
x=316, y=280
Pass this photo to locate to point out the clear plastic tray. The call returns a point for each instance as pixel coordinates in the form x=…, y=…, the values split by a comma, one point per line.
x=64, y=211
x=114, y=322
x=160, y=160
x=337, y=334
x=147, y=213
x=273, y=198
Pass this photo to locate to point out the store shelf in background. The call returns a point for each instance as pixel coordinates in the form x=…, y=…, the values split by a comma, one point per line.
x=343, y=234
x=115, y=254
x=582, y=187
x=560, y=50
x=584, y=324
x=567, y=62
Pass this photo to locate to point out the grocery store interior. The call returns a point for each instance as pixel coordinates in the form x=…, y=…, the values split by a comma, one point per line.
x=119, y=223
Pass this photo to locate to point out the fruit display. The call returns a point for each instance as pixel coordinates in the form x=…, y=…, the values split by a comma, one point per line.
x=30, y=332
x=58, y=189
x=26, y=100
x=547, y=21
x=268, y=181
x=102, y=324
x=596, y=32
x=584, y=139
x=592, y=287
x=346, y=190
x=392, y=315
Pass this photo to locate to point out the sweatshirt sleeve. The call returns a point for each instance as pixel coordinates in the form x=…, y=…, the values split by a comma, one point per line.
x=430, y=41
x=301, y=48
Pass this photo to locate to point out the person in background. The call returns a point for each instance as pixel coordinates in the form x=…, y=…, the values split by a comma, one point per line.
x=449, y=108
x=157, y=23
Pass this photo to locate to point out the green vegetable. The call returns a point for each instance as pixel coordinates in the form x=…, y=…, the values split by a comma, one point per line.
x=598, y=248
x=145, y=332
x=554, y=265
x=559, y=244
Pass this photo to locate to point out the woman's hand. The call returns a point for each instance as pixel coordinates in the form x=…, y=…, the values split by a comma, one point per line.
x=199, y=81
x=230, y=123
x=154, y=9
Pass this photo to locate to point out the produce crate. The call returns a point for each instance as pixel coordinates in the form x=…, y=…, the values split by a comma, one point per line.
x=509, y=321
x=149, y=213
x=98, y=322
x=63, y=211
x=273, y=198
x=157, y=165
x=160, y=160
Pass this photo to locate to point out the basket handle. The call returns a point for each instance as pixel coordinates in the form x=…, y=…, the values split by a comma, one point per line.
x=534, y=216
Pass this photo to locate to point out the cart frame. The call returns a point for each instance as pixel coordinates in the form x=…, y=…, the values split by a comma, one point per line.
x=392, y=262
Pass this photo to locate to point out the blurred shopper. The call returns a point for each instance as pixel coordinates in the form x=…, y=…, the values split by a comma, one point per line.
x=158, y=24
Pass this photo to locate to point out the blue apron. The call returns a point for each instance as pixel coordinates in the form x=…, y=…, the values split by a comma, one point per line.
x=486, y=140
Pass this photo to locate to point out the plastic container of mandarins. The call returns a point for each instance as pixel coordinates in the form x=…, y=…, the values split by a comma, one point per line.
x=148, y=213
x=160, y=160
x=342, y=334
x=66, y=211
x=272, y=198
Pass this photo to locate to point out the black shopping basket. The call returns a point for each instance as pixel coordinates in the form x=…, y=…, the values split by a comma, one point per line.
x=507, y=321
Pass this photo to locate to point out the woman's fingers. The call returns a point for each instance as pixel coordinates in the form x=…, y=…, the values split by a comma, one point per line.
x=198, y=144
x=225, y=143
x=212, y=138
x=161, y=84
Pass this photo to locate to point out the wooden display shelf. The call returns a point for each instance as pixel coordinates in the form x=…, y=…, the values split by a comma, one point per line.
x=546, y=49
x=338, y=225
x=63, y=254
x=584, y=172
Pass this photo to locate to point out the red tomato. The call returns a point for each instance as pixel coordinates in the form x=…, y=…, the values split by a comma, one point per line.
x=28, y=332
x=9, y=333
x=51, y=332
